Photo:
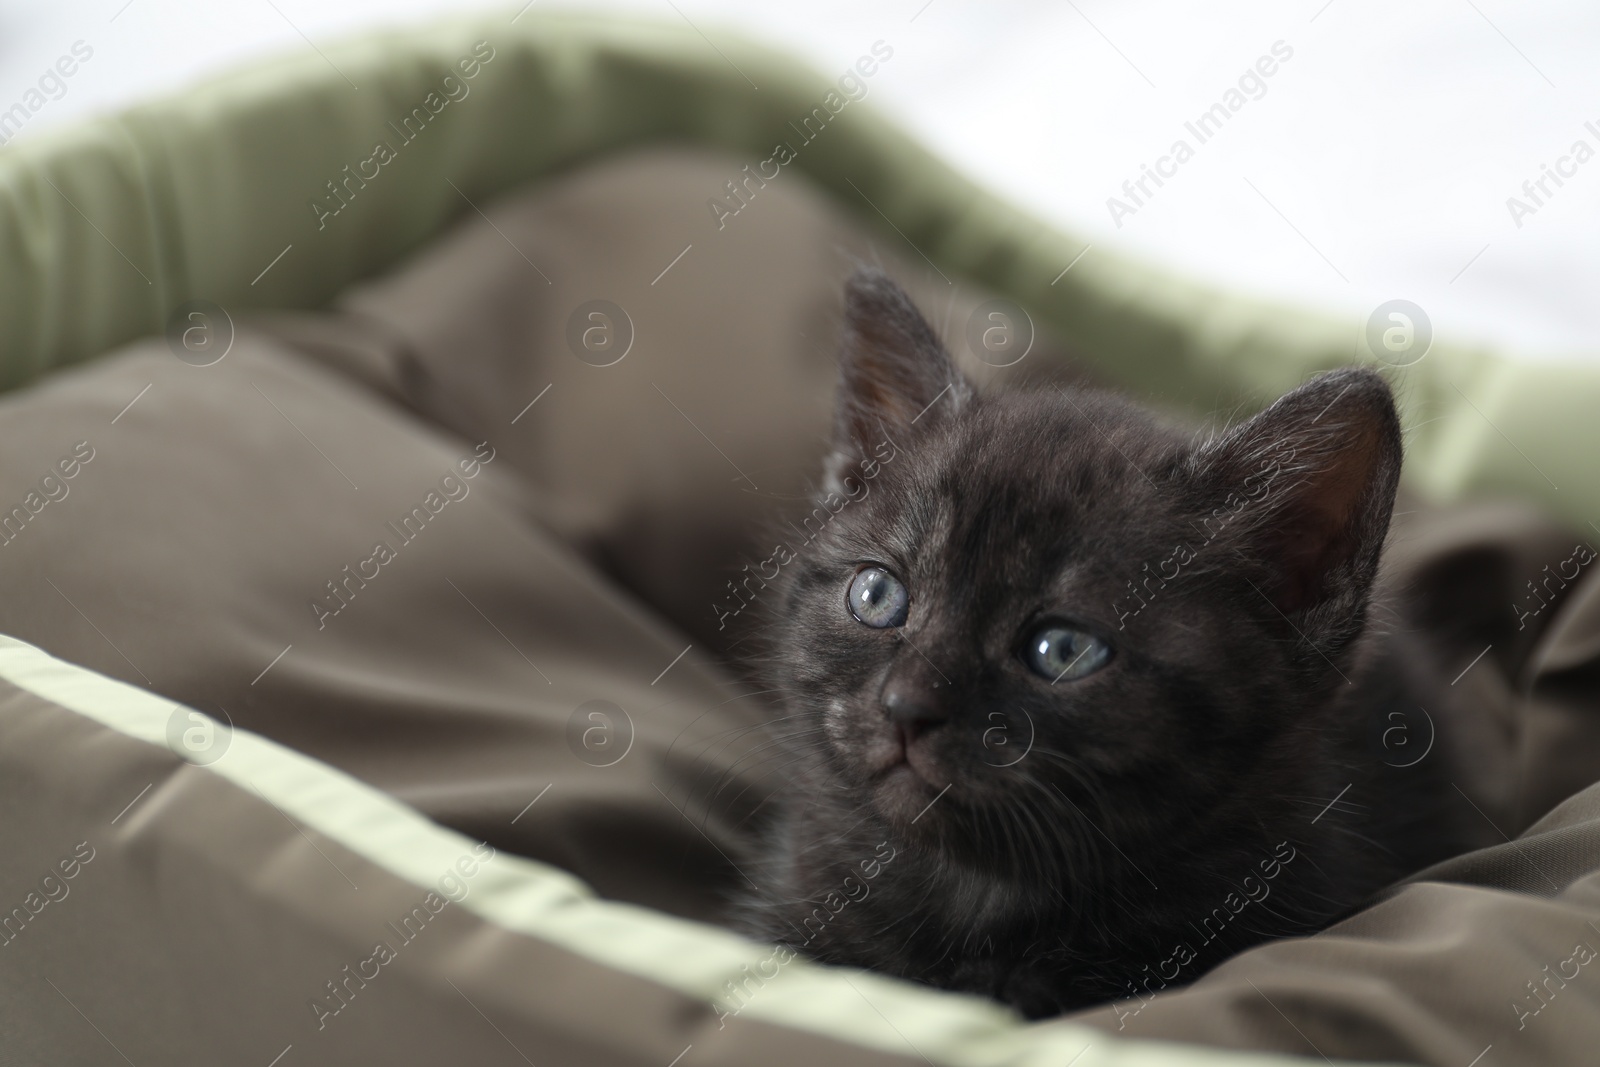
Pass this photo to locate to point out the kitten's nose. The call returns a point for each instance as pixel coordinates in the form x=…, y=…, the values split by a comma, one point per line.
x=913, y=706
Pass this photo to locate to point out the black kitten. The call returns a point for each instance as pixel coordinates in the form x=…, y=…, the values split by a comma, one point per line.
x=1076, y=707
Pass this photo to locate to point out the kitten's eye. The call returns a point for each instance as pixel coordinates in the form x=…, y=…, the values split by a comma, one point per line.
x=1061, y=653
x=877, y=598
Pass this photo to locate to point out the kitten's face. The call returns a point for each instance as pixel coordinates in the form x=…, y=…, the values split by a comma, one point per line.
x=1011, y=533
x=999, y=636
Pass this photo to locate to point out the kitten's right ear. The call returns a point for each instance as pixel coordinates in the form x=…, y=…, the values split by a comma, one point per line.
x=1310, y=485
x=893, y=372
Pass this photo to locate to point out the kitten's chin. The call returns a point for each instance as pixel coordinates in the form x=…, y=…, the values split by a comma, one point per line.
x=904, y=779
x=904, y=796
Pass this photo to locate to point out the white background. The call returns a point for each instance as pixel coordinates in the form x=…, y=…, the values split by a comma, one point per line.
x=1377, y=165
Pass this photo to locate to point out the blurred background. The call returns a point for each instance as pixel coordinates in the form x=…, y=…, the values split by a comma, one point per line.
x=1396, y=151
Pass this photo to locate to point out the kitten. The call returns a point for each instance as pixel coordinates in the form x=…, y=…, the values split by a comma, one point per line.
x=1076, y=707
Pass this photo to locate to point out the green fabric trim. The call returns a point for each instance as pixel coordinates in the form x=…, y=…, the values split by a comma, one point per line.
x=547, y=903
x=106, y=227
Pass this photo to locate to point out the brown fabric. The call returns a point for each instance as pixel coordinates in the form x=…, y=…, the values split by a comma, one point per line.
x=187, y=552
x=199, y=926
x=597, y=546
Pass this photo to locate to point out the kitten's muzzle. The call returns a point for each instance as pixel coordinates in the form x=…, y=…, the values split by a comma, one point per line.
x=913, y=707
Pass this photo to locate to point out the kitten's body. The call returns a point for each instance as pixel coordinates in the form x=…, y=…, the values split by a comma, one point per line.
x=1225, y=778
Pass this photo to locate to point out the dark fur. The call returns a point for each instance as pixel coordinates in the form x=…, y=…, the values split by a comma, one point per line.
x=1156, y=794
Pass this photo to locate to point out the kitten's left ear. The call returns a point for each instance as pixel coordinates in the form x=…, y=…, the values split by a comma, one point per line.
x=1308, y=488
x=893, y=372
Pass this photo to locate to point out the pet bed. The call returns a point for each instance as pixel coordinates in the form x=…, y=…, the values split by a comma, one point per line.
x=373, y=686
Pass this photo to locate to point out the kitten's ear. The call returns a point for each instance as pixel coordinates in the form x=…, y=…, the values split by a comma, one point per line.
x=893, y=371
x=1307, y=488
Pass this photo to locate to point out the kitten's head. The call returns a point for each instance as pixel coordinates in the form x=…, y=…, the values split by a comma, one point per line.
x=1017, y=614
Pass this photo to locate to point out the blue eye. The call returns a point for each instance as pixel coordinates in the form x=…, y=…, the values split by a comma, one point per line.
x=877, y=598
x=1061, y=653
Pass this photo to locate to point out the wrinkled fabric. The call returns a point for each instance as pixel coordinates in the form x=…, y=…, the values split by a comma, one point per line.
x=554, y=660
